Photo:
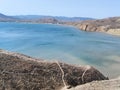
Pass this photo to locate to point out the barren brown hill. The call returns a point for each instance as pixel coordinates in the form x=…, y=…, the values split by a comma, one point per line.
x=108, y=25
x=21, y=72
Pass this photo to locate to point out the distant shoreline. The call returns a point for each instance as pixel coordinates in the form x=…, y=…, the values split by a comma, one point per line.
x=115, y=32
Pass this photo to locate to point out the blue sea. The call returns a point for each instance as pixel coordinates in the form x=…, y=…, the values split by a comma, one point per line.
x=63, y=43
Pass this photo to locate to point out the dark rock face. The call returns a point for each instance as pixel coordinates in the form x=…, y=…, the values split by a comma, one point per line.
x=20, y=72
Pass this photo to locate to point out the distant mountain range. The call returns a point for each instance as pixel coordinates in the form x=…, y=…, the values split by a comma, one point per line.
x=41, y=18
x=60, y=18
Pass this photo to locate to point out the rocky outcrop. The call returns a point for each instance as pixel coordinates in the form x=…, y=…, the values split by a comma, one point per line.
x=21, y=72
x=101, y=25
x=113, y=84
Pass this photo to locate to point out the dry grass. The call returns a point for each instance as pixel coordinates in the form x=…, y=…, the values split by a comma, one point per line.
x=20, y=72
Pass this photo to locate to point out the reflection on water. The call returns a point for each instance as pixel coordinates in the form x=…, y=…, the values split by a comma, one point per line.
x=55, y=42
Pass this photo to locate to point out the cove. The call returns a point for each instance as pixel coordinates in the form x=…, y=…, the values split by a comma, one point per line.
x=63, y=43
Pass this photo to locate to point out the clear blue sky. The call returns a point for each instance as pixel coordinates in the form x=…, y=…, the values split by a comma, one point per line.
x=71, y=8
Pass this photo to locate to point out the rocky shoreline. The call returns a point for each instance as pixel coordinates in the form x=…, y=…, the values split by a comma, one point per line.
x=107, y=25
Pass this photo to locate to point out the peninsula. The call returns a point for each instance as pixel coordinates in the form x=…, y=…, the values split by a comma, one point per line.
x=107, y=25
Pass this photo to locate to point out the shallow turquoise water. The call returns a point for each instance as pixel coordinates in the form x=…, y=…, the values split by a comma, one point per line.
x=67, y=44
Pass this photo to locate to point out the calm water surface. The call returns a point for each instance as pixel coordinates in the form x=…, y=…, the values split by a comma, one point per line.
x=67, y=44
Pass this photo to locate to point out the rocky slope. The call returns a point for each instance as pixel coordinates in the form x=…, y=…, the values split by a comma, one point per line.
x=21, y=72
x=108, y=25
